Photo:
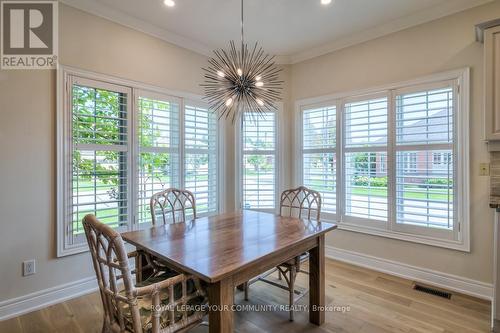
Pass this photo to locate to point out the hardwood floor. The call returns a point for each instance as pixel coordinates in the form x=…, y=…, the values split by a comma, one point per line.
x=373, y=303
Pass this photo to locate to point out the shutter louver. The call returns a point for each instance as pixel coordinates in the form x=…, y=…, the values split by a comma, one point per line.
x=319, y=160
x=365, y=156
x=99, y=183
x=259, y=160
x=200, y=126
x=424, y=136
x=158, y=154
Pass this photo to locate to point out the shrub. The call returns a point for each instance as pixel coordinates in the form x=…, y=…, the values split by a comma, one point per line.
x=438, y=182
x=370, y=181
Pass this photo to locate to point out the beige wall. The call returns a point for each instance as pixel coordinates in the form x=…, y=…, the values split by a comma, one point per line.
x=438, y=46
x=28, y=118
x=28, y=146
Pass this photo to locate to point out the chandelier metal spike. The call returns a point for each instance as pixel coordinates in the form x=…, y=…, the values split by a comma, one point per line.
x=245, y=79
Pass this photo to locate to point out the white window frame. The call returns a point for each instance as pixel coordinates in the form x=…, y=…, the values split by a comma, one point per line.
x=65, y=77
x=278, y=174
x=459, y=238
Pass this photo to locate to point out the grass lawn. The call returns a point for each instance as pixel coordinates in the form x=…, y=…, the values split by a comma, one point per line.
x=411, y=192
x=111, y=220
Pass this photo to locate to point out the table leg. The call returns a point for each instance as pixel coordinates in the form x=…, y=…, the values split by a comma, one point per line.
x=138, y=266
x=317, y=283
x=220, y=298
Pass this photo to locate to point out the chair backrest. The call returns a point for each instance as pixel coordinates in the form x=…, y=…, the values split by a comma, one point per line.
x=301, y=202
x=113, y=273
x=170, y=205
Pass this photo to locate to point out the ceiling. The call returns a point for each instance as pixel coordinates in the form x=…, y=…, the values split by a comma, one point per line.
x=295, y=30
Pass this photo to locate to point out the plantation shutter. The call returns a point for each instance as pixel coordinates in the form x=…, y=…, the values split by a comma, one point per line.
x=99, y=156
x=258, y=160
x=319, y=159
x=424, y=134
x=365, y=153
x=200, y=148
x=158, y=148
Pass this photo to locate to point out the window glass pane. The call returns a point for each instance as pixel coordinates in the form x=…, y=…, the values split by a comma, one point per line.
x=366, y=185
x=157, y=172
x=158, y=123
x=366, y=123
x=425, y=117
x=99, y=187
x=319, y=162
x=258, y=181
x=259, y=166
x=200, y=128
x=158, y=158
x=320, y=173
x=99, y=157
x=201, y=157
x=424, y=193
x=99, y=116
x=258, y=131
x=319, y=128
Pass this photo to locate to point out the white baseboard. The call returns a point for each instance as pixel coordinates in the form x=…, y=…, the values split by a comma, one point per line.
x=17, y=306
x=20, y=305
x=439, y=279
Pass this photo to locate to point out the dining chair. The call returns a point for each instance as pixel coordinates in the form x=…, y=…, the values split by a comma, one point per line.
x=171, y=205
x=165, y=302
x=303, y=203
x=168, y=206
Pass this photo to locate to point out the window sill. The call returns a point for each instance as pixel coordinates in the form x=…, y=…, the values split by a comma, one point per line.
x=66, y=250
x=463, y=245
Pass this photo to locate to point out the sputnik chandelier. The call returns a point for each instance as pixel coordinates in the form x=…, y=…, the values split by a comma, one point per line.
x=242, y=80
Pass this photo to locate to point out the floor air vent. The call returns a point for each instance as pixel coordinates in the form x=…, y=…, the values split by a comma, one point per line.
x=432, y=291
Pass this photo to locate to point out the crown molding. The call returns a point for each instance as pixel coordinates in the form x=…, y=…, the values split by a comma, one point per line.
x=406, y=22
x=102, y=10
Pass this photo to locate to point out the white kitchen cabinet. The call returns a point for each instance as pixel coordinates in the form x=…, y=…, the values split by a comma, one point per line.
x=492, y=83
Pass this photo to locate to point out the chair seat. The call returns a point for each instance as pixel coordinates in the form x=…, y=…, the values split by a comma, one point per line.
x=145, y=302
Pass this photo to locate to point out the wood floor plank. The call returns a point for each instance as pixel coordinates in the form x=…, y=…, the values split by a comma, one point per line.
x=35, y=322
x=11, y=325
x=373, y=303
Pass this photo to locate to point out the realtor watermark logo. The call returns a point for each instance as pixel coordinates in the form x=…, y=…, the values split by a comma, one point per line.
x=29, y=33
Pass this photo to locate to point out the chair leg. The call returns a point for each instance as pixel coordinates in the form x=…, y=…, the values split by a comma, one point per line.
x=279, y=275
x=291, y=286
x=245, y=285
x=105, y=325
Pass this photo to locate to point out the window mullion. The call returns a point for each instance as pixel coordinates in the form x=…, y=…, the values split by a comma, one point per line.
x=457, y=230
x=134, y=158
x=339, y=149
x=182, y=143
x=391, y=160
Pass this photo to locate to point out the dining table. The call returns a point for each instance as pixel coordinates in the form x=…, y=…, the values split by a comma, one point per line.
x=229, y=249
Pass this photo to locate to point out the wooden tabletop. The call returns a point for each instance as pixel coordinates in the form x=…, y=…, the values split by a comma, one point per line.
x=215, y=247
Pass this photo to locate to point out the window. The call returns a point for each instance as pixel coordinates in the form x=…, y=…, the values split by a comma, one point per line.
x=118, y=144
x=440, y=160
x=409, y=162
x=402, y=162
x=319, y=167
x=365, y=147
x=424, y=132
x=201, y=157
x=158, y=151
x=258, y=160
x=99, y=163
